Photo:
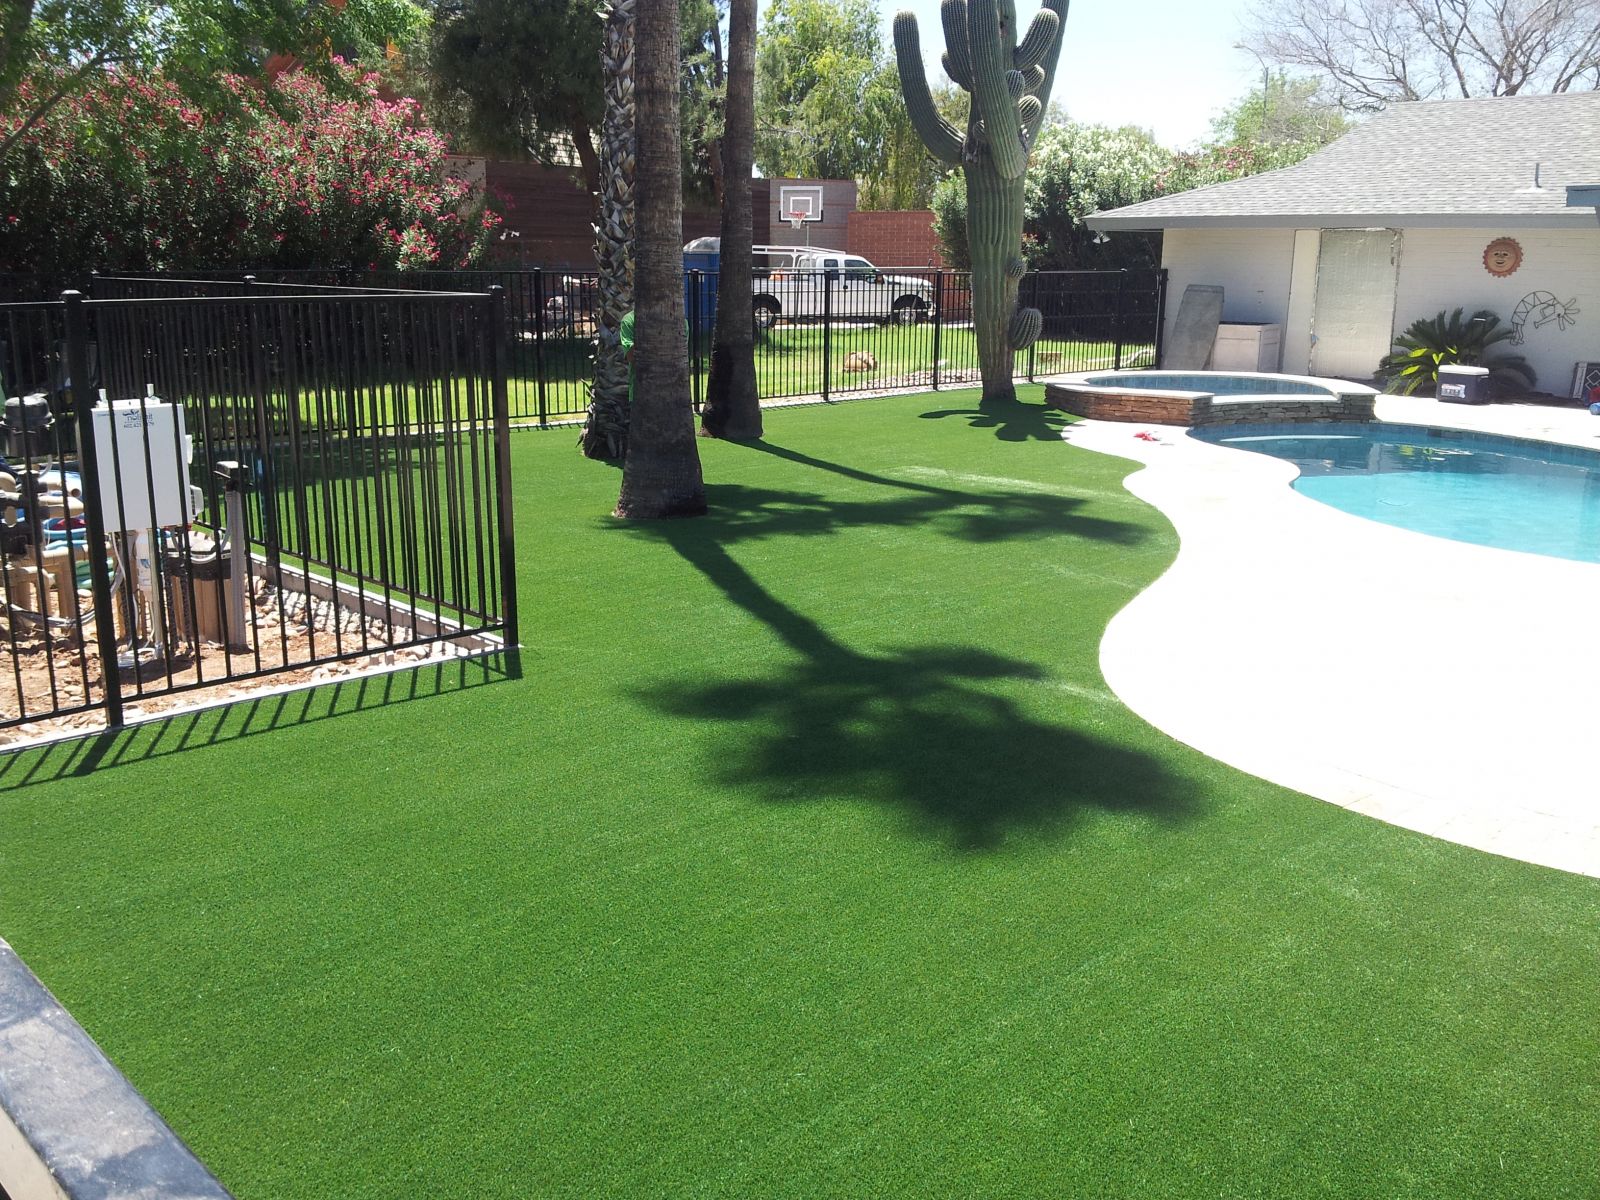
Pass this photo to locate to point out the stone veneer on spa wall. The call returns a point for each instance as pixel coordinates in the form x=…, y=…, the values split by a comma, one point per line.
x=1209, y=397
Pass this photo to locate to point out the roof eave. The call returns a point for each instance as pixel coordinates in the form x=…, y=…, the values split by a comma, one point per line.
x=1113, y=222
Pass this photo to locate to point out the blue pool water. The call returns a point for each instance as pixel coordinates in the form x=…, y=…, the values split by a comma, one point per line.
x=1469, y=487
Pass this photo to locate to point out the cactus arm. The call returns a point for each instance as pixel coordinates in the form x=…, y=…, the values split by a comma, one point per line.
x=942, y=141
x=1024, y=328
x=1040, y=37
x=991, y=33
x=1047, y=64
x=936, y=133
x=957, y=63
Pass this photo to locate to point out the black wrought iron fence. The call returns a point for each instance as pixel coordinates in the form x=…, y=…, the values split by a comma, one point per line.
x=820, y=333
x=246, y=485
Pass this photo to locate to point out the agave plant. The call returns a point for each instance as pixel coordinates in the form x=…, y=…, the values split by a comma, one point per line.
x=1443, y=341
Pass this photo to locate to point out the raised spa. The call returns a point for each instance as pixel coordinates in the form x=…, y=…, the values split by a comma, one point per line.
x=1209, y=397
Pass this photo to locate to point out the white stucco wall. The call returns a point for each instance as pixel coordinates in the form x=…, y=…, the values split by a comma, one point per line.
x=1252, y=265
x=1443, y=269
x=1439, y=269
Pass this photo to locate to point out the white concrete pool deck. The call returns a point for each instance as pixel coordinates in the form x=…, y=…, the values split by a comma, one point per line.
x=1447, y=688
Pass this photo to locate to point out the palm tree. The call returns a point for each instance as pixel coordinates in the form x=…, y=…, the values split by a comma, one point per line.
x=661, y=472
x=605, y=432
x=732, y=408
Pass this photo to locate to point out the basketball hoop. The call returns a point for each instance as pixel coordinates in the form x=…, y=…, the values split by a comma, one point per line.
x=797, y=218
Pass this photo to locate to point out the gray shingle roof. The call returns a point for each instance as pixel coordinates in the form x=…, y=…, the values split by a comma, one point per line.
x=1429, y=162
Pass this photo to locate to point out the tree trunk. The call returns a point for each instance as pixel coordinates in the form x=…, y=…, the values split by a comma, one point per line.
x=733, y=408
x=661, y=473
x=605, y=430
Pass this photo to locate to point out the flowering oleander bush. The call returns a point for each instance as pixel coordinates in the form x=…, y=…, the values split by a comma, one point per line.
x=132, y=176
x=1223, y=161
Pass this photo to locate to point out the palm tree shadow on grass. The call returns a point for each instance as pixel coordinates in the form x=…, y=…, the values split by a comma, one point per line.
x=926, y=729
x=1011, y=420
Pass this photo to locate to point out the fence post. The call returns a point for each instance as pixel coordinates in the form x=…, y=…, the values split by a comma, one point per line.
x=502, y=461
x=538, y=339
x=105, y=631
x=1033, y=300
x=827, y=335
x=268, y=491
x=938, y=322
x=1116, y=320
x=696, y=282
x=1161, y=315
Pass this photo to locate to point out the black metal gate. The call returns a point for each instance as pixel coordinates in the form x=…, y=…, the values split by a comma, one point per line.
x=198, y=490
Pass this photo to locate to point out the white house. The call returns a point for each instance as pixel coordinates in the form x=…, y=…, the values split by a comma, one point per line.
x=1429, y=205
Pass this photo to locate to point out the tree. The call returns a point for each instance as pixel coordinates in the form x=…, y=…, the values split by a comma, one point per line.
x=67, y=45
x=1281, y=110
x=700, y=98
x=906, y=174
x=732, y=407
x=1371, y=52
x=661, y=473
x=519, y=77
x=605, y=430
x=816, y=60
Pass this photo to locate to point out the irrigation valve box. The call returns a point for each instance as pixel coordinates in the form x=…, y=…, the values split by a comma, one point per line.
x=1464, y=385
x=142, y=451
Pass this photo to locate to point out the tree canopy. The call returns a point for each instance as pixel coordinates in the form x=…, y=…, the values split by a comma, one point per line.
x=1367, y=53
x=1282, y=110
x=521, y=78
x=819, y=89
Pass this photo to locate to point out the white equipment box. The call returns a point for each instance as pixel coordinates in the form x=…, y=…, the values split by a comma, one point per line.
x=1242, y=347
x=142, y=450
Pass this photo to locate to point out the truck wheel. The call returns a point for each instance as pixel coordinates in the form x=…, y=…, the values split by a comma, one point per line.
x=909, y=310
x=766, y=314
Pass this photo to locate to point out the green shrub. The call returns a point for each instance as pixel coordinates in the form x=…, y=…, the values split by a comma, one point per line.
x=1442, y=341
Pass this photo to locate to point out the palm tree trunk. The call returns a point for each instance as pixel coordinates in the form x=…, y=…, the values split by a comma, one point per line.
x=733, y=408
x=605, y=431
x=661, y=473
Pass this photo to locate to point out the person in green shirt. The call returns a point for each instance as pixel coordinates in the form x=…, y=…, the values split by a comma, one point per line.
x=625, y=337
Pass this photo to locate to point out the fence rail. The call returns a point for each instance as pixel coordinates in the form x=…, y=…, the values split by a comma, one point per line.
x=821, y=334
x=281, y=479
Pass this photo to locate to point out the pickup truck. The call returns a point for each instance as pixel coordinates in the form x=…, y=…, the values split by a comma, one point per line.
x=804, y=283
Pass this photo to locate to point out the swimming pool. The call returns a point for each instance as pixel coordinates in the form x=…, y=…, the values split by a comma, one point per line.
x=1470, y=487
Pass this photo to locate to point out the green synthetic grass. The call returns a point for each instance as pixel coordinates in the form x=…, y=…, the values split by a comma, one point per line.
x=815, y=859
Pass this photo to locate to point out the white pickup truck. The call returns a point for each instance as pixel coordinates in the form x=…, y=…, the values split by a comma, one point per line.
x=804, y=283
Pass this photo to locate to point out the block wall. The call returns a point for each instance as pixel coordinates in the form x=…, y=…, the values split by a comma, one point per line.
x=895, y=239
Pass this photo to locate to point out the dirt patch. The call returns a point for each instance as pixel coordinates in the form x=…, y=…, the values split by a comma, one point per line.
x=289, y=637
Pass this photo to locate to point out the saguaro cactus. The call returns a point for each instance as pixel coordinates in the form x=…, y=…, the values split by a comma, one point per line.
x=1010, y=86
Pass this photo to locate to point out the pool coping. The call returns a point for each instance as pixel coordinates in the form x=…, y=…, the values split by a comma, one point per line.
x=1484, y=753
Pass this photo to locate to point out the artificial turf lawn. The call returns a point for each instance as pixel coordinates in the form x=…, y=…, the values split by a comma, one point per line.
x=814, y=860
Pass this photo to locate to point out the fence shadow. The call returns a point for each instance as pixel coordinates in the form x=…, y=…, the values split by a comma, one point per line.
x=224, y=723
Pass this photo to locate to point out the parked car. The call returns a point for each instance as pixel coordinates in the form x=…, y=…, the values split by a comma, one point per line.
x=802, y=283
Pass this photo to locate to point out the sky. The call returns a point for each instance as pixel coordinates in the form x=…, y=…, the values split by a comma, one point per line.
x=1166, y=65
